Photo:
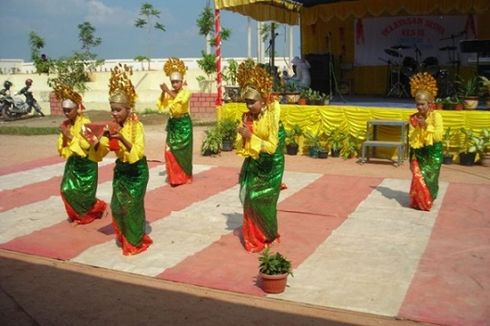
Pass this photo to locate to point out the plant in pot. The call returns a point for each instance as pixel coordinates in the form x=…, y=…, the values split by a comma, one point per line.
x=467, y=156
x=292, y=139
x=273, y=271
x=350, y=147
x=470, y=89
x=230, y=72
x=312, y=142
x=483, y=147
x=291, y=93
x=212, y=142
x=456, y=102
x=446, y=141
x=439, y=102
x=335, y=142
x=228, y=130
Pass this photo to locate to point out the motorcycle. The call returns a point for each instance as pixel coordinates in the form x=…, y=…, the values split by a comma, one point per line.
x=14, y=107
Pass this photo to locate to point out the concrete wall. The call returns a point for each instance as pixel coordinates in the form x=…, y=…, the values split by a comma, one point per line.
x=146, y=81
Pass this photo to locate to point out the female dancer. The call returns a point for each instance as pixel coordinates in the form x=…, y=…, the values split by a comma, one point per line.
x=178, y=149
x=425, y=137
x=263, y=167
x=131, y=170
x=79, y=184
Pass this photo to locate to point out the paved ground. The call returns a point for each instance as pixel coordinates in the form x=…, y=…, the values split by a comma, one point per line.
x=44, y=291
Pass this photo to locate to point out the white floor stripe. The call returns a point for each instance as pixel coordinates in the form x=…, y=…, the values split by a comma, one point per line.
x=24, y=220
x=23, y=178
x=185, y=232
x=368, y=263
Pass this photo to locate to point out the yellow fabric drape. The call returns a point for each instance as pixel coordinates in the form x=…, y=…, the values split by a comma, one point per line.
x=374, y=8
x=281, y=11
x=353, y=119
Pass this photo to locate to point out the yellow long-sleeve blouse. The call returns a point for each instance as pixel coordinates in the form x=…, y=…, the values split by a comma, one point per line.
x=177, y=106
x=78, y=145
x=133, y=132
x=264, y=137
x=420, y=137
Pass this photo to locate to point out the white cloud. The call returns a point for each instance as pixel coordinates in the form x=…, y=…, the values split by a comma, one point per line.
x=99, y=13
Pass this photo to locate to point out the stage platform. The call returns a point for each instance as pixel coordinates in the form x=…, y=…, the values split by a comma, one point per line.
x=352, y=115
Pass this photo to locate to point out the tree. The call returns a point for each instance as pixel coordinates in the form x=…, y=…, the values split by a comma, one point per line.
x=147, y=19
x=88, y=39
x=86, y=36
x=141, y=58
x=205, y=23
x=36, y=43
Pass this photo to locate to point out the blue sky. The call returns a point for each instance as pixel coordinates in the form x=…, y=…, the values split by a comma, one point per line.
x=56, y=22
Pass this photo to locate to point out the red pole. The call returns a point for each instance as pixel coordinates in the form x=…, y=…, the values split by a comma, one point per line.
x=219, y=77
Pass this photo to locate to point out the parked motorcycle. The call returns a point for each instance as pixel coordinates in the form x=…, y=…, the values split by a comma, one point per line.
x=14, y=107
x=4, y=92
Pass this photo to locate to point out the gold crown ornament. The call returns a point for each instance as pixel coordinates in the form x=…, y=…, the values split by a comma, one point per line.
x=68, y=95
x=121, y=89
x=174, y=68
x=423, y=82
x=256, y=79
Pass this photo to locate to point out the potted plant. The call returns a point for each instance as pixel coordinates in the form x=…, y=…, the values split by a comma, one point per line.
x=439, y=102
x=470, y=92
x=273, y=271
x=212, y=142
x=228, y=130
x=230, y=72
x=335, y=142
x=483, y=147
x=292, y=139
x=467, y=156
x=456, y=102
x=291, y=93
x=446, y=140
x=350, y=147
x=312, y=142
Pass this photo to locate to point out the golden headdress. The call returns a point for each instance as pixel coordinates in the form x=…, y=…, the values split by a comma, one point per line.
x=174, y=68
x=121, y=89
x=64, y=93
x=423, y=82
x=254, y=80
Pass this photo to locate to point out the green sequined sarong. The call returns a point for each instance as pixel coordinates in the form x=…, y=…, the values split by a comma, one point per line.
x=79, y=184
x=260, y=183
x=127, y=203
x=430, y=159
x=179, y=139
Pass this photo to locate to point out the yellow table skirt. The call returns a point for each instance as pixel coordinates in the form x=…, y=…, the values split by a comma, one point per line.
x=353, y=119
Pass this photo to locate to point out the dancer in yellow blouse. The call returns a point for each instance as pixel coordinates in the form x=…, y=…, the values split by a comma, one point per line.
x=425, y=137
x=260, y=141
x=175, y=101
x=131, y=171
x=79, y=184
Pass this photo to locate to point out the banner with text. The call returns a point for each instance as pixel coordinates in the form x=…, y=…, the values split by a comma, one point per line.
x=412, y=40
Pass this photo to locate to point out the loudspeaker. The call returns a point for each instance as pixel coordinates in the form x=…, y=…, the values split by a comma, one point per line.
x=319, y=72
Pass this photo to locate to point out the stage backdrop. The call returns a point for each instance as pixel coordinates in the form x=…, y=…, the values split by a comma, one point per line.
x=418, y=37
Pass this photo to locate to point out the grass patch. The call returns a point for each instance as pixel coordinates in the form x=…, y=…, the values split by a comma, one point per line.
x=28, y=131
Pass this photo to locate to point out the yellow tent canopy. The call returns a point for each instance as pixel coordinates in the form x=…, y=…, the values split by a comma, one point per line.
x=281, y=11
x=314, y=10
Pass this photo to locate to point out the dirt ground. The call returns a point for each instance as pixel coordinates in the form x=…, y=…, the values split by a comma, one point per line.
x=19, y=149
x=39, y=291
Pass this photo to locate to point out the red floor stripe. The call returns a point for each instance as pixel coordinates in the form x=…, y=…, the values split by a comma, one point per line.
x=41, y=190
x=30, y=165
x=452, y=284
x=319, y=209
x=65, y=240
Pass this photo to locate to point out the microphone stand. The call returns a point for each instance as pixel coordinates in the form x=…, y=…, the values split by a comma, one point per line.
x=331, y=71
